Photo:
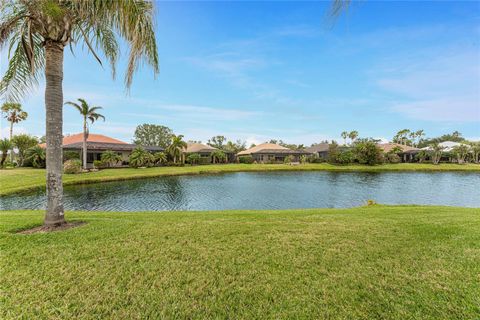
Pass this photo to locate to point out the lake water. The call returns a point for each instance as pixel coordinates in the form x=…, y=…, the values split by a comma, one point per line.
x=277, y=190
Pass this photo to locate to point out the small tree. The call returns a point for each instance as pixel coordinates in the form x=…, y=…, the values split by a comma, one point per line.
x=288, y=159
x=219, y=156
x=153, y=135
x=37, y=156
x=23, y=142
x=344, y=137
x=475, y=146
x=141, y=158
x=193, y=158
x=176, y=147
x=110, y=158
x=160, y=158
x=461, y=153
x=421, y=156
x=367, y=152
x=333, y=152
x=436, y=153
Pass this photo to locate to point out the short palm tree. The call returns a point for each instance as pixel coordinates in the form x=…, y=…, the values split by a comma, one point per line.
x=176, y=147
x=141, y=158
x=37, y=31
x=160, y=158
x=5, y=146
x=110, y=158
x=88, y=113
x=37, y=156
x=218, y=156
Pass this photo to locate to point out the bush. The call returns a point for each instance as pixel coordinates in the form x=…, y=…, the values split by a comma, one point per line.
x=71, y=155
x=367, y=152
x=141, y=158
x=345, y=157
x=288, y=159
x=72, y=166
x=245, y=159
x=97, y=164
x=333, y=152
x=393, y=158
x=193, y=158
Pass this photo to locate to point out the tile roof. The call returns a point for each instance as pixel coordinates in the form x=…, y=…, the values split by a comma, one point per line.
x=78, y=138
x=270, y=148
x=387, y=147
x=199, y=147
x=102, y=146
x=320, y=147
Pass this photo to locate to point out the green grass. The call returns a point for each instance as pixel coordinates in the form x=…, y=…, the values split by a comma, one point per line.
x=22, y=179
x=378, y=262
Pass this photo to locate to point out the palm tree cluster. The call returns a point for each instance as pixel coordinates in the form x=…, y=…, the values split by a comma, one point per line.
x=37, y=32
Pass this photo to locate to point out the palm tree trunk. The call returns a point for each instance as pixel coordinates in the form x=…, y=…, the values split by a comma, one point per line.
x=11, y=136
x=84, y=146
x=54, y=120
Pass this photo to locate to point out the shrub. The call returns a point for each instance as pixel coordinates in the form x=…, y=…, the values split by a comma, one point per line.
x=193, y=158
x=304, y=159
x=393, y=157
x=288, y=159
x=219, y=156
x=72, y=166
x=367, y=152
x=97, y=164
x=245, y=159
x=71, y=155
x=333, y=152
x=37, y=156
x=345, y=157
x=141, y=158
x=110, y=158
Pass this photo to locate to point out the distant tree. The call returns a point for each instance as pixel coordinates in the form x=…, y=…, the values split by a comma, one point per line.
x=421, y=156
x=333, y=152
x=37, y=156
x=353, y=135
x=217, y=142
x=5, y=146
x=110, y=158
x=235, y=147
x=436, y=153
x=475, y=146
x=252, y=145
x=344, y=136
x=461, y=153
x=14, y=114
x=140, y=158
x=88, y=113
x=366, y=151
x=23, y=142
x=402, y=137
x=153, y=135
x=175, y=149
x=42, y=139
x=218, y=156
x=455, y=137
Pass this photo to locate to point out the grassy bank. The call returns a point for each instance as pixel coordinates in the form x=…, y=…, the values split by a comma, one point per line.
x=361, y=263
x=22, y=179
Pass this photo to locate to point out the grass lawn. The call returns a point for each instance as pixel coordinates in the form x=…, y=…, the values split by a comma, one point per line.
x=21, y=179
x=377, y=262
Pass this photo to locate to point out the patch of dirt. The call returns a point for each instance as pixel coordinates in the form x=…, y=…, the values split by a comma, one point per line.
x=45, y=229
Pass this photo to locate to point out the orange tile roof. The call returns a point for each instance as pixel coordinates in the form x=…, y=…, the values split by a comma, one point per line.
x=75, y=138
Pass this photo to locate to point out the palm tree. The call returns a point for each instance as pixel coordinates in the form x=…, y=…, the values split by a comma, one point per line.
x=344, y=136
x=218, y=156
x=110, y=158
x=13, y=114
x=437, y=151
x=353, y=135
x=140, y=158
x=175, y=149
x=37, y=156
x=5, y=146
x=37, y=33
x=88, y=113
x=160, y=157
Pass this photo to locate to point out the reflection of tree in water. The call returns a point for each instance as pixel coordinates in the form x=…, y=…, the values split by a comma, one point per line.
x=174, y=191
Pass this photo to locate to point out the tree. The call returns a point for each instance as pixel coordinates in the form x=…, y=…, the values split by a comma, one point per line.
x=235, y=147
x=23, y=142
x=193, y=158
x=175, y=149
x=217, y=142
x=344, y=136
x=366, y=151
x=153, y=135
x=141, y=158
x=37, y=33
x=353, y=135
x=402, y=137
x=37, y=156
x=475, y=146
x=5, y=146
x=437, y=151
x=110, y=158
x=421, y=156
x=218, y=156
x=461, y=153
x=88, y=113
x=14, y=114
x=160, y=158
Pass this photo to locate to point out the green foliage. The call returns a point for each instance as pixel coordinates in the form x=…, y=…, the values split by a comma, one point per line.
x=13, y=112
x=217, y=142
x=367, y=152
x=218, y=156
x=421, y=156
x=98, y=164
x=193, y=158
x=70, y=155
x=153, y=135
x=345, y=157
x=235, y=147
x=23, y=142
x=160, y=158
x=5, y=146
x=141, y=158
x=246, y=159
x=37, y=156
x=288, y=159
x=436, y=152
x=176, y=147
x=461, y=153
x=392, y=157
x=110, y=158
x=333, y=152
x=73, y=166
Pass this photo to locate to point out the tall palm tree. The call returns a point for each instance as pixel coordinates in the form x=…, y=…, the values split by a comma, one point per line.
x=37, y=31
x=88, y=113
x=353, y=135
x=14, y=114
x=344, y=136
x=175, y=149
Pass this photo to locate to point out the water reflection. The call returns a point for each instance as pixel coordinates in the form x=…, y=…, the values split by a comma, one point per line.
x=276, y=190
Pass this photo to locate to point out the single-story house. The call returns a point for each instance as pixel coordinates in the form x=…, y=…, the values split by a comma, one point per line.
x=97, y=144
x=406, y=154
x=319, y=150
x=270, y=152
x=205, y=151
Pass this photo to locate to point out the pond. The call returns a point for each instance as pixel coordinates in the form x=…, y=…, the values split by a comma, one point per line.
x=273, y=190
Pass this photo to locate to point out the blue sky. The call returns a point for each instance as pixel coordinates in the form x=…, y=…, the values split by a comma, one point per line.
x=276, y=70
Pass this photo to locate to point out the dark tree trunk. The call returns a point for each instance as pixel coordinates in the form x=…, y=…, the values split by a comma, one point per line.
x=84, y=144
x=54, y=121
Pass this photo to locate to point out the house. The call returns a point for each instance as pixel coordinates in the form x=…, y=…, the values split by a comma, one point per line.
x=406, y=153
x=270, y=152
x=319, y=150
x=97, y=144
